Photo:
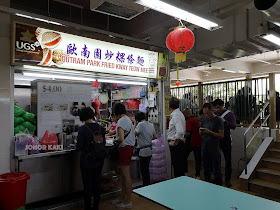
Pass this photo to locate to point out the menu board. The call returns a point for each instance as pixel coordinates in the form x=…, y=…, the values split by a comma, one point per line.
x=58, y=101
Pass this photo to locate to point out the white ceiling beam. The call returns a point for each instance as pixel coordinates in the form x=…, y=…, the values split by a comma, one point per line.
x=218, y=75
x=261, y=68
x=187, y=74
x=236, y=65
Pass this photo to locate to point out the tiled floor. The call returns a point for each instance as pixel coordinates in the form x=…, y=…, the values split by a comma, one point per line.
x=141, y=203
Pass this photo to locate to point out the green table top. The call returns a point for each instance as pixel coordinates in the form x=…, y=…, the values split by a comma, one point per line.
x=190, y=194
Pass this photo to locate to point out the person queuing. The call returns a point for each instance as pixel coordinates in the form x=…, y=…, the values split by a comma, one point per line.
x=126, y=137
x=175, y=137
x=226, y=143
x=145, y=132
x=89, y=165
x=193, y=141
x=212, y=130
x=200, y=116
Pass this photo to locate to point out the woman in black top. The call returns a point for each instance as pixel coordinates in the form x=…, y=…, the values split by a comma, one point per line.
x=90, y=167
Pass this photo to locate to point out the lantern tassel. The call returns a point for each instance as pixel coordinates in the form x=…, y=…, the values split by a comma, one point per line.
x=178, y=83
x=177, y=72
x=180, y=57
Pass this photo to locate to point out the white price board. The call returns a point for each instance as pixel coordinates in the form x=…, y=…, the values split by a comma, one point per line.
x=58, y=101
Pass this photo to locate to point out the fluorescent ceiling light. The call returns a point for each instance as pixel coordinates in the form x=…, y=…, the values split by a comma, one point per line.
x=47, y=70
x=272, y=38
x=277, y=23
x=135, y=78
x=22, y=83
x=43, y=68
x=230, y=71
x=58, y=71
x=177, y=12
x=20, y=77
x=121, y=82
x=39, y=19
x=66, y=77
x=33, y=67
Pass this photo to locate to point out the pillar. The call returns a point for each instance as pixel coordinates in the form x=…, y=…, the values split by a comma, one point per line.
x=200, y=95
x=6, y=93
x=248, y=112
x=272, y=100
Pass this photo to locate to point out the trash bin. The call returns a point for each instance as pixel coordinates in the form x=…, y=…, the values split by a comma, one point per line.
x=13, y=190
x=134, y=167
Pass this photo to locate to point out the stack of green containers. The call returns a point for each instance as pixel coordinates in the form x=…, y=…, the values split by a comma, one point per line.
x=23, y=120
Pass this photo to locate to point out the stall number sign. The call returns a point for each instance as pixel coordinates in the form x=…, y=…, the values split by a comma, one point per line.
x=44, y=47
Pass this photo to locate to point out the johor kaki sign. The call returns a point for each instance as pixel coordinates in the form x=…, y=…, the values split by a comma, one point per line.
x=44, y=47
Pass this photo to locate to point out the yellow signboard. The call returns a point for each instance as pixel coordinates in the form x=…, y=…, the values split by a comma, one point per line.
x=163, y=65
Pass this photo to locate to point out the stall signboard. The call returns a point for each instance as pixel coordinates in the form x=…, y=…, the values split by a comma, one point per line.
x=39, y=46
x=163, y=66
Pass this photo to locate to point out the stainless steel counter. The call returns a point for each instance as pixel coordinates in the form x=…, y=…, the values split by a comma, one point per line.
x=57, y=173
x=24, y=157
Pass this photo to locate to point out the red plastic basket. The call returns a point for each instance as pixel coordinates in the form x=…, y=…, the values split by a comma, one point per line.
x=13, y=190
x=133, y=103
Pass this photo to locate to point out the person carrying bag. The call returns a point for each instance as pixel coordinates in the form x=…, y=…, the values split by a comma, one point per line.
x=145, y=132
x=91, y=142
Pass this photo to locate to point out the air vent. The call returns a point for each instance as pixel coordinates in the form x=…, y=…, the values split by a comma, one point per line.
x=124, y=9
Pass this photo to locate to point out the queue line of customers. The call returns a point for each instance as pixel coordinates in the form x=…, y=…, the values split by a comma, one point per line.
x=124, y=131
x=206, y=136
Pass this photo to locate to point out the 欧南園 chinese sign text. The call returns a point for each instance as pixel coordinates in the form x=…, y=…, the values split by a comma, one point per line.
x=45, y=47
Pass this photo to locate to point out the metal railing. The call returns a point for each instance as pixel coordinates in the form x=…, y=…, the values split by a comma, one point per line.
x=245, y=98
x=253, y=137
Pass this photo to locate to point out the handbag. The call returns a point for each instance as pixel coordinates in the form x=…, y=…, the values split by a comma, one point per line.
x=113, y=153
x=146, y=146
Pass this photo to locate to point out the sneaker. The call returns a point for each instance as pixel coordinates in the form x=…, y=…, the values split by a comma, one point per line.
x=228, y=184
x=116, y=201
x=125, y=206
x=186, y=174
x=197, y=177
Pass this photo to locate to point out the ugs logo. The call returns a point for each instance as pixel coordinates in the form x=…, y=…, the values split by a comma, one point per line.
x=26, y=45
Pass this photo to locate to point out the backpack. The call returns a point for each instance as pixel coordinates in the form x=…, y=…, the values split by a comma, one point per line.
x=96, y=149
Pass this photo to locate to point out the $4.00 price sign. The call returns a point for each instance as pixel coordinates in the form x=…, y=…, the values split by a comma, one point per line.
x=52, y=89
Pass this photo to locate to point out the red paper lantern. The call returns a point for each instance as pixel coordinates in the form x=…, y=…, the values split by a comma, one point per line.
x=180, y=40
x=178, y=83
x=95, y=84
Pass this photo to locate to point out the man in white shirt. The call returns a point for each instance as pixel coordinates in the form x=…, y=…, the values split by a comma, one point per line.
x=175, y=137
